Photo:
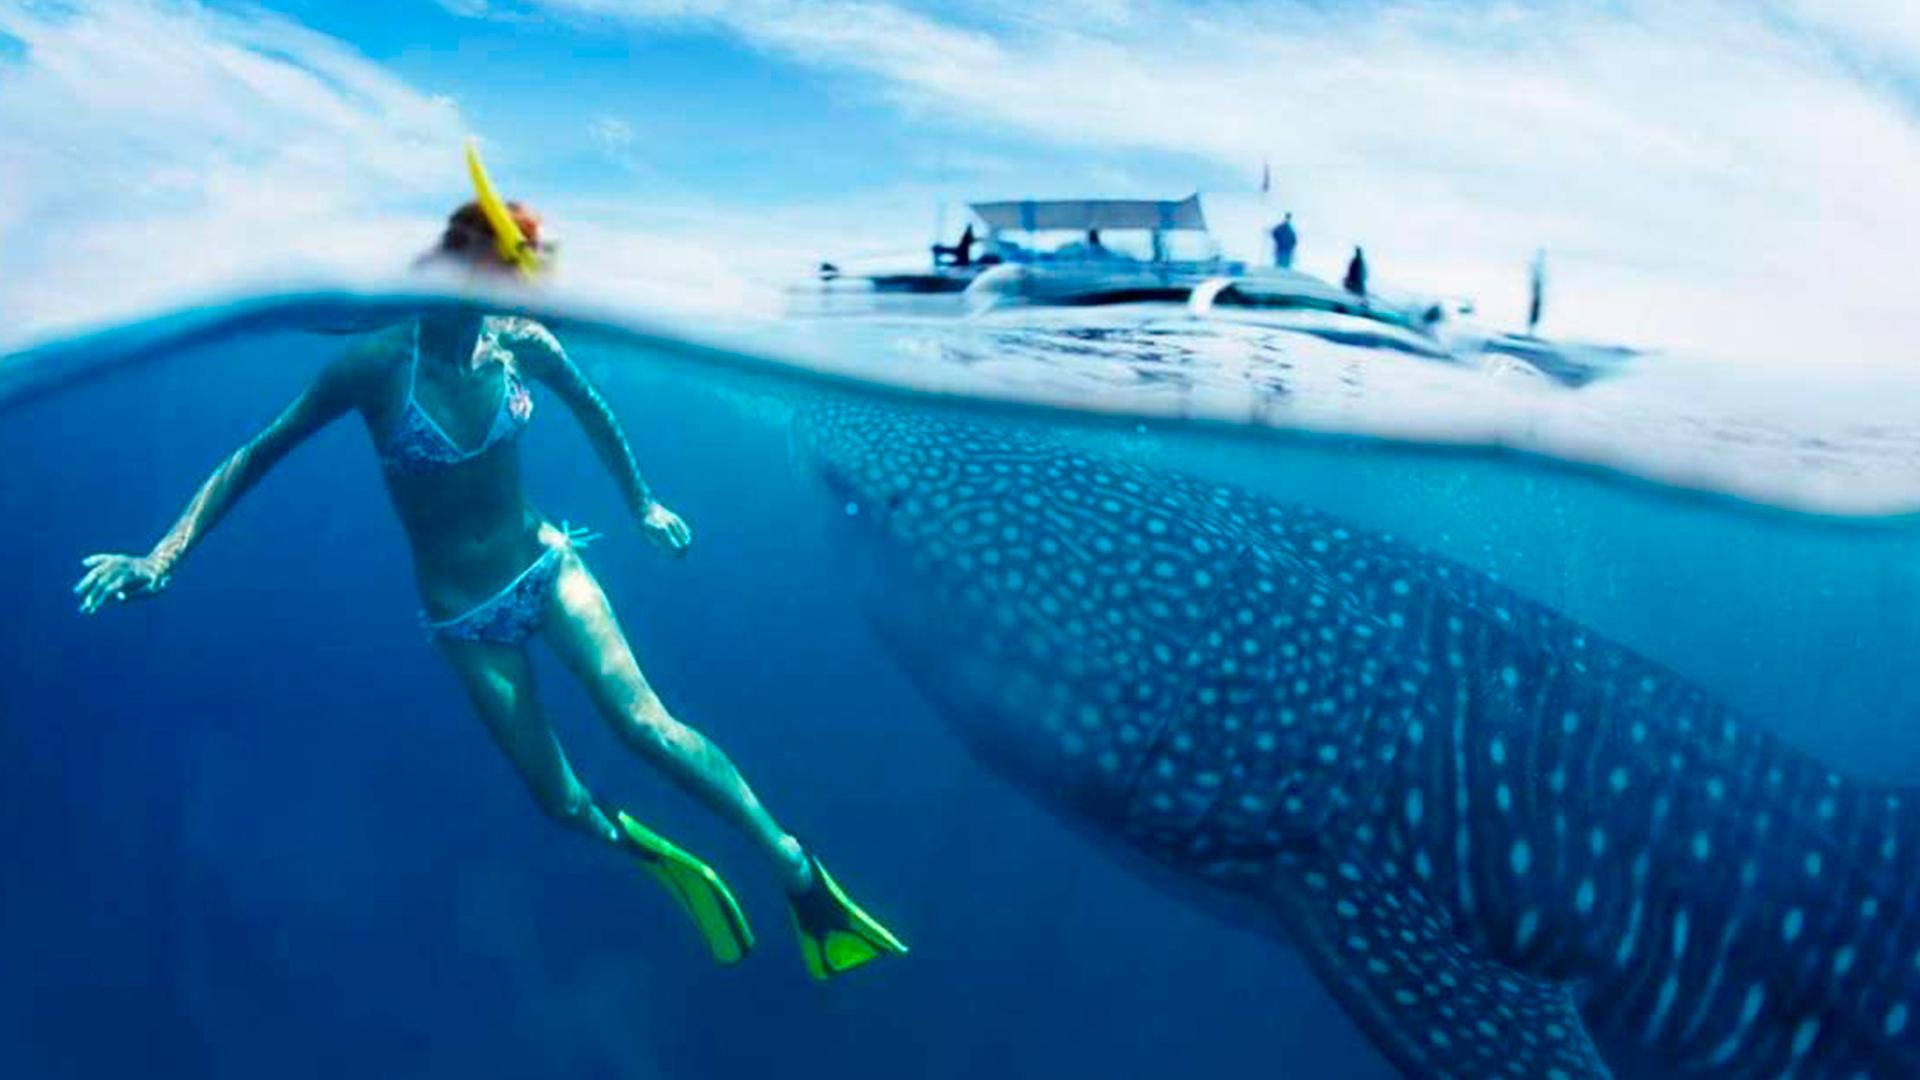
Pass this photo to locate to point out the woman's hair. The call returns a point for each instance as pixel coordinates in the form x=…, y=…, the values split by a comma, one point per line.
x=468, y=226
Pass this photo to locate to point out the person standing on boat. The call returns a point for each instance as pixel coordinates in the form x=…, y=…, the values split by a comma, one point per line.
x=445, y=397
x=1536, y=293
x=1285, y=240
x=1356, y=279
x=960, y=254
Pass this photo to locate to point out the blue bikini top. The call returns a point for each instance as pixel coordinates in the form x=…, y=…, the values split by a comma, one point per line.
x=417, y=442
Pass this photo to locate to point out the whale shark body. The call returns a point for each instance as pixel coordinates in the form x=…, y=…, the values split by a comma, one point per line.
x=1506, y=845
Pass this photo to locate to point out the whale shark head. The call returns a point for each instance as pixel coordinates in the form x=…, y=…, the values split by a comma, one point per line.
x=1108, y=635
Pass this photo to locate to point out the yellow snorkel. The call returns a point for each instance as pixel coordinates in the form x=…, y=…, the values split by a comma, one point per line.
x=508, y=241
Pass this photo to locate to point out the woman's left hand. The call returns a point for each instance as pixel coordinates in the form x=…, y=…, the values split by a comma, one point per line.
x=665, y=528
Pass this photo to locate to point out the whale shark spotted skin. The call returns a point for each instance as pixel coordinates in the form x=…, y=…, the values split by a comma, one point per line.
x=1508, y=846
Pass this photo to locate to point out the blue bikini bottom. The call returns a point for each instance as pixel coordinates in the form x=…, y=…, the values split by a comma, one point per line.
x=510, y=616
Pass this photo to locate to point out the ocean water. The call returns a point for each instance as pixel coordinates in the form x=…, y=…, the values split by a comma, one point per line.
x=253, y=830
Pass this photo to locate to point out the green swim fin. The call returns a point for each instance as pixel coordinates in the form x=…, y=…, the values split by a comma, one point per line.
x=699, y=891
x=836, y=936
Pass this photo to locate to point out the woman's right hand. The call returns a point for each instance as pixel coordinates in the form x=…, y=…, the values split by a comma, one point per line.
x=118, y=578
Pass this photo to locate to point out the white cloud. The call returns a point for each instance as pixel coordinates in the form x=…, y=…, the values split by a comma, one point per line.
x=611, y=133
x=1716, y=175
x=1884, y=32
x=154, y=152
x=713, y=257
x=483, y=9
x=883, y=37
x=150, y=151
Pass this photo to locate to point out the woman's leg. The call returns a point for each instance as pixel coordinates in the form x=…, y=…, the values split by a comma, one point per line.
x=499, y=681
x=586, y=636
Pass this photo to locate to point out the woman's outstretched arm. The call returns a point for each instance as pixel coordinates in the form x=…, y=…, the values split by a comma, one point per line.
x=539, y=354
x=128, y=577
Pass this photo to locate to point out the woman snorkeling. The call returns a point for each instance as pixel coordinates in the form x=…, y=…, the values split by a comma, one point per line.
x=444, y=398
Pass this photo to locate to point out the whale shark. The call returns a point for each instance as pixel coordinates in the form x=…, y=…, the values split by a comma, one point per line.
x=1506, y=845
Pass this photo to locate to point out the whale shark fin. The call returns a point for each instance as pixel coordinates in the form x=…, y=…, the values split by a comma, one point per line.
x=1433, y=1003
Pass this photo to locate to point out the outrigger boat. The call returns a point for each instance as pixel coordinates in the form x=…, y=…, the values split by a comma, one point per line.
x=1098, y=251
x=1068, y=251
x=1087, y=252
x=1080, y=252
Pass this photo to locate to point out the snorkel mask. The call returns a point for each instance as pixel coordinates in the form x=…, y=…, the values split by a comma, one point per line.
x=509, y=242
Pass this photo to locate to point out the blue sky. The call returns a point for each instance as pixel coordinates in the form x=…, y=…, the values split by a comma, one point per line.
x=592, y=103
x=1731, y=177
x=590, y=106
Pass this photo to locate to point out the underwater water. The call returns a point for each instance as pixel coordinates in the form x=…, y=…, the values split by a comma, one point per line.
x=253, y=829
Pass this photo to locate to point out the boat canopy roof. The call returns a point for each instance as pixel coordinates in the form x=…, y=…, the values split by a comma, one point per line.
x=1032, y=215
